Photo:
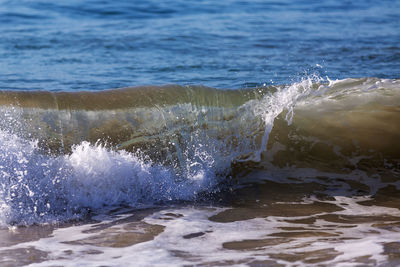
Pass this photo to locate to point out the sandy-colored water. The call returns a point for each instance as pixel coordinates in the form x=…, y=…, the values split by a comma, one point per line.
x=258, y=224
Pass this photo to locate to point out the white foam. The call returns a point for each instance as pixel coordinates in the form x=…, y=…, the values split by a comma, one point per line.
x=349, y=241
x=40, y=188
x=37, y=187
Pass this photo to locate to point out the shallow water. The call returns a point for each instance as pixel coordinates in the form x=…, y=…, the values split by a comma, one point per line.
x=274, y=144
x=208, y=177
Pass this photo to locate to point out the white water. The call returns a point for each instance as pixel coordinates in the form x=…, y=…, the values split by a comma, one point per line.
x=42, y=188
x=349, y=241
x=36, y=187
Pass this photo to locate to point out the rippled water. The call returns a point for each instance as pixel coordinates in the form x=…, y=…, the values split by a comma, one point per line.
x=93, y=45
x=249, y=133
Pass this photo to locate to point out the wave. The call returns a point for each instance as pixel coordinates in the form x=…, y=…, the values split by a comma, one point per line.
x=64, y=154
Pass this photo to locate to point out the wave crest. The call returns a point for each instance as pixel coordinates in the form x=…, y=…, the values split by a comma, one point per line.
x=64, y=154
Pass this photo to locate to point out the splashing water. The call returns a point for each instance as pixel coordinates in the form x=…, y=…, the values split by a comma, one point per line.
x=185, y=149
x=42, y=188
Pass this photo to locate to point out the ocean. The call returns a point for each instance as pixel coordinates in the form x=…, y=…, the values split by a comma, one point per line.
x=199, y=133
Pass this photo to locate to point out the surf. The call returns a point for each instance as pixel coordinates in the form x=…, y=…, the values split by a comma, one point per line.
x=66, y=154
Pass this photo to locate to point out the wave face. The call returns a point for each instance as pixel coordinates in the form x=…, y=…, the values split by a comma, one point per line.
x=65, y=154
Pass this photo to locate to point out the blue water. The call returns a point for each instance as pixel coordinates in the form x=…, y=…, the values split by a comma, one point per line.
x=299, y=174
x=95, y=45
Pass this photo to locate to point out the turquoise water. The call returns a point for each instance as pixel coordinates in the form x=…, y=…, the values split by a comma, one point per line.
x=95, y=45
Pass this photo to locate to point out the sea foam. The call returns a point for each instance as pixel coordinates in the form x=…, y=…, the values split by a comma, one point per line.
x=178, y=150
x=37, y=187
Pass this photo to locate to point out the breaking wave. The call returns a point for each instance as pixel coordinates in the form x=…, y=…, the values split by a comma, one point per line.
x=64, y=154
